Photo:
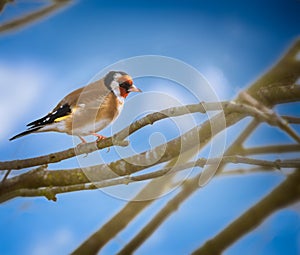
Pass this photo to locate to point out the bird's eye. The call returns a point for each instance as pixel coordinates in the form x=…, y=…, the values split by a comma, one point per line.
x=126, y=84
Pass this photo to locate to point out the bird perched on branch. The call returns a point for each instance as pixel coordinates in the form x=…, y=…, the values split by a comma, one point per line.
x=87, y=110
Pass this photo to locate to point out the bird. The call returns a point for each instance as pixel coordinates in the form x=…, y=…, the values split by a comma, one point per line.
x=87, y=110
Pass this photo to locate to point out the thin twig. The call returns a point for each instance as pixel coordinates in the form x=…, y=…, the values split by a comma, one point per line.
x=118, y=138
x=188, y=189
x=284, y=195
x=139, y=203
x=243, y=171
x=281, y=148
x=50, y=192
x=291, y=119
x=285, y=72
x=121, y=167
x=281, y=89
x=120, y=220
x=158, y=219
x=32, y=17
x=274, y=118
x=3, y=3
x=237, y=145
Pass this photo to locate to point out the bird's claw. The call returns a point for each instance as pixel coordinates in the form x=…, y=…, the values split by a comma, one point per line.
x=99, y=137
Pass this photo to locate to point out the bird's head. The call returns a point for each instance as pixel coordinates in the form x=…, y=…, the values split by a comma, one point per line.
x=120, y=83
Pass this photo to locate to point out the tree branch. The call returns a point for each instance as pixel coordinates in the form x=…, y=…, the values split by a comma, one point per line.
x=291, y=119
x=120, y=220
x=274, y=118
x=117, y=139
x=189, y=187
x=273, y=88
x=284, y=148
x=121, y=167
x=3, y=3
x=32, y=17
x=284, y=195
x=278, y=85
x=51, y=192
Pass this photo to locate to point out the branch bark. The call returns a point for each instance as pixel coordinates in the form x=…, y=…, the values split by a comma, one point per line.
x=189, y=187
x=120, y=167
x=277, y=86
x=285, y=194
x=280, y=148
x=51, y=192
x=3, y=3
x=118, y=138
x=280, y=79
x=32, y=17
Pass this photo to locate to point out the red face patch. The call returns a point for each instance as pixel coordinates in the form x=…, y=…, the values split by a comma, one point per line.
x=123, y=92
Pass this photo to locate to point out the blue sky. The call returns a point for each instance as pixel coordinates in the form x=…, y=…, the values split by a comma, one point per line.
x=231, y=43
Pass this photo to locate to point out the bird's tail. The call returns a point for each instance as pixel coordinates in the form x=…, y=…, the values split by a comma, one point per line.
x=28, y=131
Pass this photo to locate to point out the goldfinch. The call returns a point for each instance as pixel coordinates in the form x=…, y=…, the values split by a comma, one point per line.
x=87, y=110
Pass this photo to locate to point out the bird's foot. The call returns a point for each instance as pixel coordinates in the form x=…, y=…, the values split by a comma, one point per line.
x=99, y=137
x=82, y=140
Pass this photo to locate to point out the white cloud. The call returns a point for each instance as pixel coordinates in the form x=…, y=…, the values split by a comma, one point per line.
x=20, y=86
x=58, y=243
x=218, y=81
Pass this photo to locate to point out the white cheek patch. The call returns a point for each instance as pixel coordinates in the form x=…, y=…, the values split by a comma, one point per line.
x=116, y=89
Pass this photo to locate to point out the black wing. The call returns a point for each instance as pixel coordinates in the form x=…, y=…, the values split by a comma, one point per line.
x=58, y=112
x=62, y=111
x=28, y=131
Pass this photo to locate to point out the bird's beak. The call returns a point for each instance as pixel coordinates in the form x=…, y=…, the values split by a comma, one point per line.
x=133, y=88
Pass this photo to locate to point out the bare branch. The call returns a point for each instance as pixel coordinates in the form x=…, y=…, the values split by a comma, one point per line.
x=190, y=187
x=3, y=3
x=171, y=206
x=277, y=86
x=59, y=156
x=270, y=149
x=111, y=141
x=117, y=139
x=120, y=220
x=291, y=119
x=51, y=192
x=120, y=167
x=243, y=171
x=273, y=117
x=237, y=145
x=274, y=87
x=32, y=17
x=285, y=194
x=281, y=92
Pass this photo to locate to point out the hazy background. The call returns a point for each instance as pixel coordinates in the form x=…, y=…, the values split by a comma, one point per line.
x=231, y=43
